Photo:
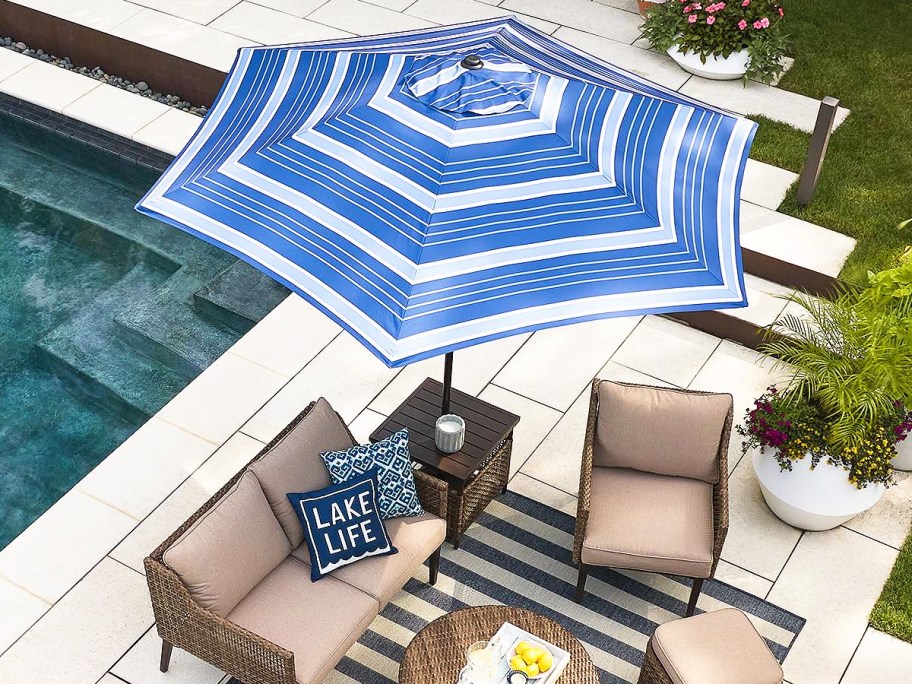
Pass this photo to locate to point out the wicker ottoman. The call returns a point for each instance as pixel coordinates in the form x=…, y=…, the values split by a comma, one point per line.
x=713, y=648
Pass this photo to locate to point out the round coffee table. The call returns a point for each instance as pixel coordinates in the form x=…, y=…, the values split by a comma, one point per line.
x=437, y=653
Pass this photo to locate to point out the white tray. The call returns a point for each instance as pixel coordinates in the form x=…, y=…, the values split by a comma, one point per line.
x=506, y=639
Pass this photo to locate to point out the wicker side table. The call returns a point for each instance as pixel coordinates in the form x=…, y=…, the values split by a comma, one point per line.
x=475, y=474
x=437, y=653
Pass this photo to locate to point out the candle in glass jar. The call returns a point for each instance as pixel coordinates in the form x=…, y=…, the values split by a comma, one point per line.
x=449, y=434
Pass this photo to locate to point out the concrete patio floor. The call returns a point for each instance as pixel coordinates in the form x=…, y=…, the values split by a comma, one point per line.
x=74, y=602
x=78, y=604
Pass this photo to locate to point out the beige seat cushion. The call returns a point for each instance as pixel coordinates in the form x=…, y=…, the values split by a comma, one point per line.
x=294, y=464
x=644, y=521
x=317, y=621
x=715, y=648
x=658, y=430
x=383, y=576
x=230, y=549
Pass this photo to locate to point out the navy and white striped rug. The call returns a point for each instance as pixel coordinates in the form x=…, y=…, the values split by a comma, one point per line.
x=518, y=553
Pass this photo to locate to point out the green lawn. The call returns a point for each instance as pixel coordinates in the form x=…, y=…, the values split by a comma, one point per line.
x=861, y=53
x=893, y=611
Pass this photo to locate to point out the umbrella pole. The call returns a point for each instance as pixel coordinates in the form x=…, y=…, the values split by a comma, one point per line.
x=447, y=381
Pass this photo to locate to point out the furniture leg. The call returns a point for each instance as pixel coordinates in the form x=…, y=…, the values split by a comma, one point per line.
x=434, y=566
x=581, y=582
x=694, y=595
x=165, y=656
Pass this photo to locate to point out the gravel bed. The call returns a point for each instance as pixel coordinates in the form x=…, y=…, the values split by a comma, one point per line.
x=99, y=74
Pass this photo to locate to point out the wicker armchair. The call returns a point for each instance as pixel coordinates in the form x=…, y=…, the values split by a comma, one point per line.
x=638, y=488
x=181, y=621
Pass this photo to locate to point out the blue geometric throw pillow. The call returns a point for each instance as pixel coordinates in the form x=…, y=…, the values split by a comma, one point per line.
x=341, y=524
x=398, y=496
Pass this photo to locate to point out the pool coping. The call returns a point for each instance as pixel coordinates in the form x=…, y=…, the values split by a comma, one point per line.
x=85, y=134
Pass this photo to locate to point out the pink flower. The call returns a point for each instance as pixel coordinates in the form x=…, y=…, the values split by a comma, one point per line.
x=781, y=12
x=745, y=3
x=742, y=24
x=687, y=8
x=758, y=25
x=765, y=22
x=710, y=20
x=692, y=19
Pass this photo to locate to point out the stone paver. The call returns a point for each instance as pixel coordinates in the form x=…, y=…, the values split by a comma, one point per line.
x=183, y=38
x=103, y=15
x=656, y=340
x=170, y=132
x=554, y=366
x=54, y=553
x=880, y=658
x=765, y=184
x=20, y=611
x=47, y=85
x=270, y=26
x=799, y=242
x=85, y=632
x=449, y=12
x=363, y=18
x=585, y=15
x=197, y=11
x=756, y=99
x=832, y=579
x=151, y=464
x=116, y=110
x=137, y=666
x=11, y=62
x=645, y=63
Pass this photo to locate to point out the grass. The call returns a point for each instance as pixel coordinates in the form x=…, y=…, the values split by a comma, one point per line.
x=893, y=611
x=860, y=53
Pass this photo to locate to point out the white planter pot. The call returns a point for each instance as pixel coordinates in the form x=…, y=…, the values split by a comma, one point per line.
x=903, y=458
x=717, y=68
x=818, y=499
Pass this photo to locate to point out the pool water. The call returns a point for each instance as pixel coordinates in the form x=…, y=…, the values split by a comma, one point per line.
x=48, y=437
x=104, y=314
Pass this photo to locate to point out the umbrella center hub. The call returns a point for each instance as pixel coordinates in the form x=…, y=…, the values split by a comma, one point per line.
x=472, y=84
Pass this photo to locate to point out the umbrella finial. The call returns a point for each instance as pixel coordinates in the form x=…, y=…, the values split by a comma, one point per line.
x=471, y=62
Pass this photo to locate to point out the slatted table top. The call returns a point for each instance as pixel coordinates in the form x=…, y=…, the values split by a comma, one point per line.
x=437, y=653
x=486, y=427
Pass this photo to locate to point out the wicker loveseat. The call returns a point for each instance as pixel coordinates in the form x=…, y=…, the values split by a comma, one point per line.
x=232, y=585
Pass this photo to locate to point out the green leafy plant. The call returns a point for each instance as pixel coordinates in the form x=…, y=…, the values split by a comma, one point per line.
x=852, y=355
x=850, y=359
x=721, y=28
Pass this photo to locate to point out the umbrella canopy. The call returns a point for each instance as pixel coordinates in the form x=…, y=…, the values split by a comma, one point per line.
x=435, y=189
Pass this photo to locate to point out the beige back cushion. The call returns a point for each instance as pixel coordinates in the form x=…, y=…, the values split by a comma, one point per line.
x=660, y=431
x=230, y=549
x=294, y=464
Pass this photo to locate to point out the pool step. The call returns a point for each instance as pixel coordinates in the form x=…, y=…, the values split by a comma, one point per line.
x=87, y=353
x=239, y=296
x=165, y=325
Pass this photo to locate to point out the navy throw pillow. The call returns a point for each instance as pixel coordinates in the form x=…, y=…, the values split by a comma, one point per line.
x=342, y=524
x=391, y=458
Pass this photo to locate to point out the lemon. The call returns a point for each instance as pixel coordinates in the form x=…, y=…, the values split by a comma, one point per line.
x=546, y=661
x=517, y=663
x=533, y=670
x=530, y=655
x=522, y=646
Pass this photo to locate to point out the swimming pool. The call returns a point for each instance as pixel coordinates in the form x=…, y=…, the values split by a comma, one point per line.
x=104, y=314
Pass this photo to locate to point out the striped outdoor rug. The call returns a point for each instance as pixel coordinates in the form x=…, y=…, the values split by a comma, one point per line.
x=518, y=554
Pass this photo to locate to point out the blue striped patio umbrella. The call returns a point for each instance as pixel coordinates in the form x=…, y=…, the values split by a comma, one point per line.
x=435, y=189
